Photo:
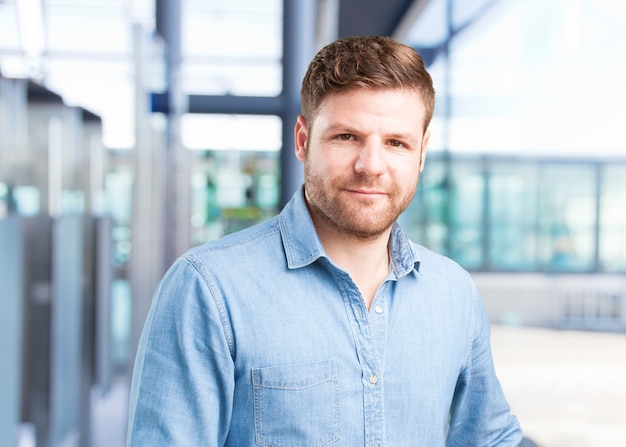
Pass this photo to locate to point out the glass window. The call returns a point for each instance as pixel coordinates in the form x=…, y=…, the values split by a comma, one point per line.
x=467, y=189
x=119, y=203
x=612, y=235
x=426, y=219
x=231, y=190
x=512, y=216
x=567, y=217
x=27, y=200
x=231, y=132
x=232, y=47
x=517, y=79
x=236, y=179
x=4, y=200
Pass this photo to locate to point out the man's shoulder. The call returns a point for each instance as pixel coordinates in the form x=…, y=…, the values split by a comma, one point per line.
x=432, y=261
x=247, y=241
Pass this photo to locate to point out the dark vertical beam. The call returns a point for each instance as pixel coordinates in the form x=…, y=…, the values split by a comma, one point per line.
x=158, y=202
x=360, y=17
x=598, y=267
x=168, y=26
x=12, y=349
x=486, y=172
x=298, y=48
x=447, y=116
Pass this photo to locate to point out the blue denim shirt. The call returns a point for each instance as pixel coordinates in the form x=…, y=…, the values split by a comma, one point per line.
x=259, y=339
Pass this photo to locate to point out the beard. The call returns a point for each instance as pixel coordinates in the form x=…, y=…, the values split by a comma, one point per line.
x=361, y=218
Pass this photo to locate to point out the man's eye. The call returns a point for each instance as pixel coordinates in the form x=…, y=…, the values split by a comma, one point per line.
x=344, y=137
x=396, y=143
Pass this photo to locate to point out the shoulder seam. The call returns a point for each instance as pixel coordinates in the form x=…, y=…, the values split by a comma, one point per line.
x=220, y=245
x=217, y=300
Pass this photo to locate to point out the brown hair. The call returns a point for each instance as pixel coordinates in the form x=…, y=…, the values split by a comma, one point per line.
x=374, y=62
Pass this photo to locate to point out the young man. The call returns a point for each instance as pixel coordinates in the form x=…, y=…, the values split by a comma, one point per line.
x=325, y=325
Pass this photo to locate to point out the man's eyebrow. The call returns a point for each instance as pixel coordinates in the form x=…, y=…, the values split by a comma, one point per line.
x=401, y=136
x=340, y=127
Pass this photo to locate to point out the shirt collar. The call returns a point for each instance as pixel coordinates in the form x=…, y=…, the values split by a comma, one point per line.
x=302, y=245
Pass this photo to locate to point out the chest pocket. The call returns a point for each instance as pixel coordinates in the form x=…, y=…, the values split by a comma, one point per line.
x=297, y=405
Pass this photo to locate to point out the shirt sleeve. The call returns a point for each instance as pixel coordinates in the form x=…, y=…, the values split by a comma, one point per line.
x=182, y=387
x=480, y=414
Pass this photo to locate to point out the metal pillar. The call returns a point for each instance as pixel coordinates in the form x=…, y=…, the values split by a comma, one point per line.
x=177, y=188
x=147, y=241
x=299, y=41
x=298, y=49
x=447, y=117
x=160, y=198
x=11, y=320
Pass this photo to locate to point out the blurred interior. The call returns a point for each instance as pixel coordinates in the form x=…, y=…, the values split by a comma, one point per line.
x=132, y=131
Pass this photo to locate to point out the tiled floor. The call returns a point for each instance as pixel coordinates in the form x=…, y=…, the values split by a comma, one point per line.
x=568, y=388
x=109, y=415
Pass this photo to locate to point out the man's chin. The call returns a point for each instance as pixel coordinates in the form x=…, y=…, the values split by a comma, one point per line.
x=364, y=228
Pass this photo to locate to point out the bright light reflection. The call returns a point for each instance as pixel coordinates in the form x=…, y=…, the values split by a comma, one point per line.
x=537, y=77
x=231, y=132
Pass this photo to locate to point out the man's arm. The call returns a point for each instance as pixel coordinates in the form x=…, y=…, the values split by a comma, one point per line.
x=183, y=383
x=480, y=415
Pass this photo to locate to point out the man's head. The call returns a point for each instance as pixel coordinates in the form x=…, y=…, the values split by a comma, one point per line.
x=371, y=62
x=363, y=134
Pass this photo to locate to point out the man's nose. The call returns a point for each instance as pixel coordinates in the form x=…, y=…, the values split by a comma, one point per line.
x=371, y=159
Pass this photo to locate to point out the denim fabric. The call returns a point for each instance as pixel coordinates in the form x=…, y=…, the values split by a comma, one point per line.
x=259, y=339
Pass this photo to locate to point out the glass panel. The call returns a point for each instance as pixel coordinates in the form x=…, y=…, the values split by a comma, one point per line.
x=613, y=219
x=118, y=190
x=431, y=28
x=4, y=200
x=233, y=78
x=67, y=328
x=231, y=132
x=512, y=216
x=231, y=190
x=12, y=278
x=466, y=219
x=232, y=47
x=567, y=213
x=26, y=200
x=81, y=81
x=499, y=105
x=121, y=310
x=426, y=219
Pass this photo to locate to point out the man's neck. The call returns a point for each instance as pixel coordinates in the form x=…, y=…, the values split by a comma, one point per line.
x=367, y=261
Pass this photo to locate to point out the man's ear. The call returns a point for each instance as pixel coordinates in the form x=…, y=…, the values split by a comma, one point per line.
x=424, y=149
x=301, y=134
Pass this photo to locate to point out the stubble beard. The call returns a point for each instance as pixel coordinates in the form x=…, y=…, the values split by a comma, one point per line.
x=364, y=219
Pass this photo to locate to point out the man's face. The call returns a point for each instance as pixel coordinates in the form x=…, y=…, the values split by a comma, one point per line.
x=362, y=157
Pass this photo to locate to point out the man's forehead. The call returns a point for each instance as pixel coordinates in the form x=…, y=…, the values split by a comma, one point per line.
x=393, y=106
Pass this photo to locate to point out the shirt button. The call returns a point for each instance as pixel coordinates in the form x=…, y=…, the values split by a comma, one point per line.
x=373, y=379
x=378, y=309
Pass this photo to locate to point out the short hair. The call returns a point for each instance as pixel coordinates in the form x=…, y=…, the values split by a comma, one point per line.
x=374, y=62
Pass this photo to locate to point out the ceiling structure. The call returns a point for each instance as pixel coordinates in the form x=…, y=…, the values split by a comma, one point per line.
x=84, y=49
x=362, y=17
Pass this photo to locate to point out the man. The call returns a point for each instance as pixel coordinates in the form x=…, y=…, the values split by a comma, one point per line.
x=325, y=325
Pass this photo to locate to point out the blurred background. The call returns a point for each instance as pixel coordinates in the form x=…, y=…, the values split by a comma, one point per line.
x=133, y=130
